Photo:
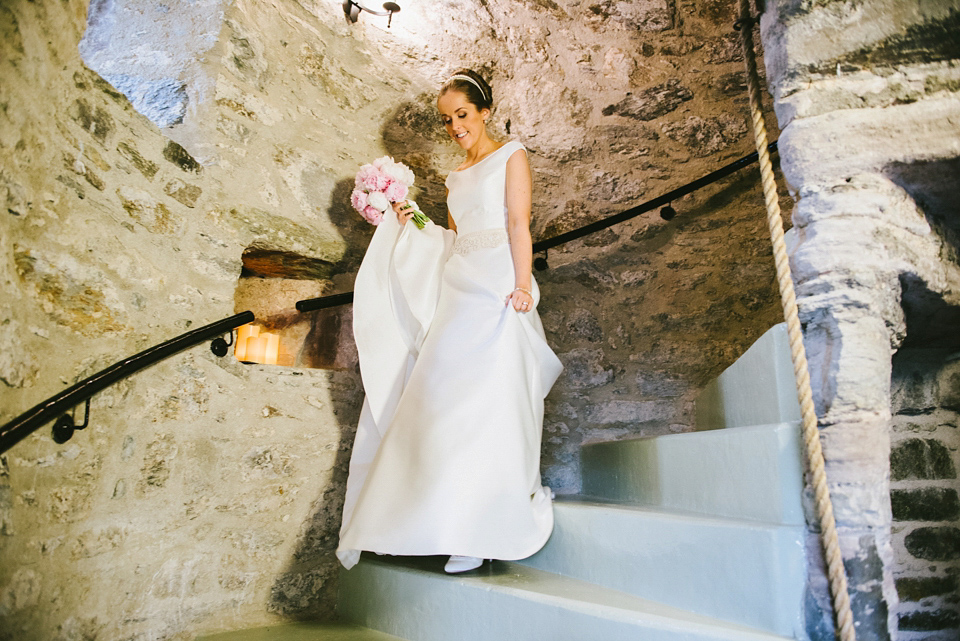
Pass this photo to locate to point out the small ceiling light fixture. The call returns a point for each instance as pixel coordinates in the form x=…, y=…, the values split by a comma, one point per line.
x=352, y=8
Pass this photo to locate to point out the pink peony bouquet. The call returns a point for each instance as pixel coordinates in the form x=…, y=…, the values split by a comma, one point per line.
x=380, y=184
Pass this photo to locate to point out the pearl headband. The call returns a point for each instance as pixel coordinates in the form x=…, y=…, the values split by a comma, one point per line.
x=471, y=81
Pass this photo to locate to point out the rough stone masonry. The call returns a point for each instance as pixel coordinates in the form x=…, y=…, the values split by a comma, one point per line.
x=866, y=97
x=138, y=165
x=207, y=493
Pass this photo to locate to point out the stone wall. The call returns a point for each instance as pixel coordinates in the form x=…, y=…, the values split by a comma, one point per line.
x=924, y=491
x=207, y=492
x=867, y=100
x=205, y=495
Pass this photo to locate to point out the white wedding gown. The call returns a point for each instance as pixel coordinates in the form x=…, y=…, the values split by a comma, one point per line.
x=447, y=454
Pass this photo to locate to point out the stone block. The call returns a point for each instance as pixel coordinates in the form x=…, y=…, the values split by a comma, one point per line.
x=182, y=192
x=921, y=459
x=17, y=366
x=706, y=136
x=6, y=510
x=914, y=394
x=180, y=157
x=917, y=588
x=153, y=215
x=926, y=504
x=948, y=386
x=642, y=15
x=661, y=385
x=326, y=73
x=584, y=369
x=23, y=591
x=583, y=325
x=929, y=621
x=934, y=543
x=613, y=414
x=304, y=593
x=146, y=167
x=867, y=600
x=651, y=103
x=94, y=120
x=159, y=455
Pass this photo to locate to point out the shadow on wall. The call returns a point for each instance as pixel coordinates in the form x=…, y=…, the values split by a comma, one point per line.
x=935, y=188
x=307, y=588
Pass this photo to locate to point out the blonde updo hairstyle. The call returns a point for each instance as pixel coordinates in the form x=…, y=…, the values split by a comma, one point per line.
x=478, y=92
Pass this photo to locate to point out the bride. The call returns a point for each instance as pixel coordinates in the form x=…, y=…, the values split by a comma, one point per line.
x=454, y=365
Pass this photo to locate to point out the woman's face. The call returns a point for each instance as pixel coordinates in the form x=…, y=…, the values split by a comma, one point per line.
x=464, y=123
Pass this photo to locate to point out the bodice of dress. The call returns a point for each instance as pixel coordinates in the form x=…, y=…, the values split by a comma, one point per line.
x=477, y=198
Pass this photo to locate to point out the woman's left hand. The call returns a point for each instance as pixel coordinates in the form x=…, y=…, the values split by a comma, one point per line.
x=404, y=211
x=521, y=300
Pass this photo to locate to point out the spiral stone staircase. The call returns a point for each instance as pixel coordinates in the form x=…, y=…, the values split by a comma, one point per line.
x=684, y=537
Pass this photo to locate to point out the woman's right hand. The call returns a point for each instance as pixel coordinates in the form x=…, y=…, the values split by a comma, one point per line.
x=404, y=211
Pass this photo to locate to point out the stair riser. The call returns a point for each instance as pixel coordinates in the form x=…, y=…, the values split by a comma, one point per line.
x=758, y=389
x=750, y=574
x=437, y=608
x=750, y=473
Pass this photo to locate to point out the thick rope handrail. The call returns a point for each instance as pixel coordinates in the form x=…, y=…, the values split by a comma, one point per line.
x=811, y=434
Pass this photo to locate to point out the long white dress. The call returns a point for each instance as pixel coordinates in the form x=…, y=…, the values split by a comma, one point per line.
x=447, y=454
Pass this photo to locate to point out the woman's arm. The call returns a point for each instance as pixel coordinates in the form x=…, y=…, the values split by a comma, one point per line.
x=519, y=202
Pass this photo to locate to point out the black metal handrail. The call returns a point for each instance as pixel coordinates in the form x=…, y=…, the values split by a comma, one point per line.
x=659, y=201
x=56, y=406
x=334, y=300
x=324, y=302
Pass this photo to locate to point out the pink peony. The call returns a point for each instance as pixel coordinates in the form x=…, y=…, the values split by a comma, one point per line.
x=395, y=192
x=375, y=181
x=358, y=199
x=373, y=215
x=362, y=175
x=378, y=184
x=369, y=178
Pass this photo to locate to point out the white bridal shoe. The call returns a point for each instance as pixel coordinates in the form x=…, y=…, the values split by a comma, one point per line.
x=458, y=564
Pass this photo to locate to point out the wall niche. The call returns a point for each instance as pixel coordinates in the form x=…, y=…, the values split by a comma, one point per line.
x=270, y=284
x=925, y=431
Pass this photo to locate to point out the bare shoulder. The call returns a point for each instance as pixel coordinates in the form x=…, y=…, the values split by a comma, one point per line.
x=517, y=163
x=518, y=156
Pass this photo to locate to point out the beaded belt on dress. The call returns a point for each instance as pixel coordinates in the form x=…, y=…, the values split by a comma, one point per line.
x=483, y=239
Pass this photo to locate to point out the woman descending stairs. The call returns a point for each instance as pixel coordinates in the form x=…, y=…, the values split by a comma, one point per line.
x=685, y=537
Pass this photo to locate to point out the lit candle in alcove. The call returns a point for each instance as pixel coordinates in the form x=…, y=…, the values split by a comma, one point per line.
x=256, y=349
x=272, y=348
x=244, y=332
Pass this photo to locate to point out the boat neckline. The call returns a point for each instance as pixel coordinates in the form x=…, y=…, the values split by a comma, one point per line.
x=457, y=171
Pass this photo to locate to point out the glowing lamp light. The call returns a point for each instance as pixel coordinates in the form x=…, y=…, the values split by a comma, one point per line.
x=271, y=348
x=244, y=332
x=256, y=349
x=254, y=346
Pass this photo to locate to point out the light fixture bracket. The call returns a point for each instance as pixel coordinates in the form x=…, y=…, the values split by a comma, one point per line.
x=352, y=9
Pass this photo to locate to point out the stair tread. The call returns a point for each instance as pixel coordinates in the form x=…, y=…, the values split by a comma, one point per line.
x=704, y=433
x=703, y=563
x=304, y=632
x=568, y=593
x=593, y=502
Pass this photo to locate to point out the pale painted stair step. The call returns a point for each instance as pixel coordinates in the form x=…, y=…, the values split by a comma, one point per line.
x=753, y=473
x=744, y=572
x=758, y=389
x=413, y=598
x=304, y=632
